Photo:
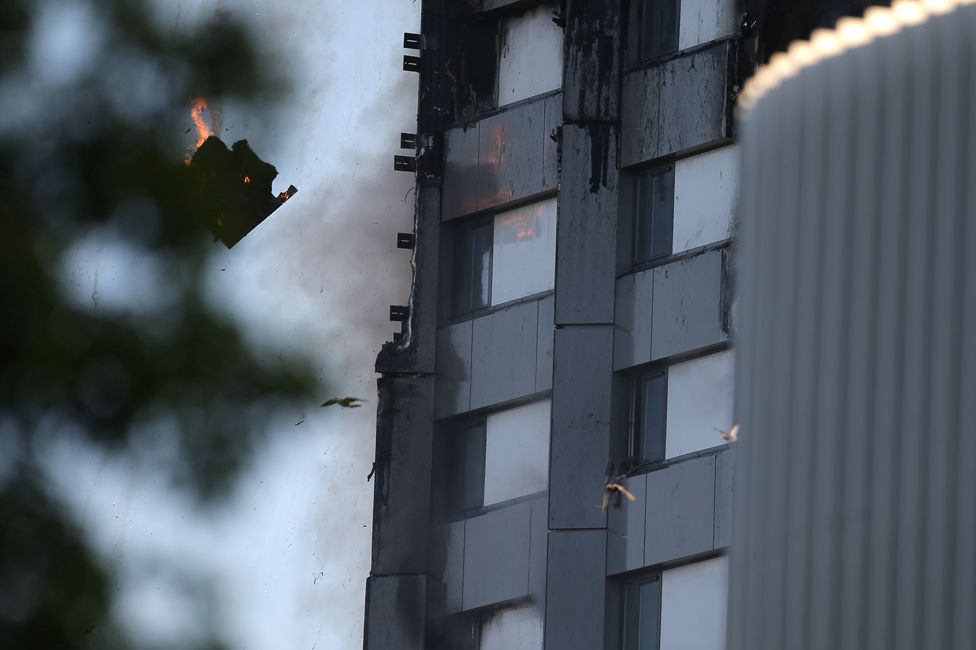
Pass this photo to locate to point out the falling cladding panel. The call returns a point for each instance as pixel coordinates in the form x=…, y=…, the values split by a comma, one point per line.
x=453, y=383
x=632, y=328
x=496, y=556
x=688, y=306
x=575, y=601
x=510, y=162
x=625, y=528
x=504, y=355
x=676, y=106
x=680, y=510
x=587, y=234
x=460, y=172
x=543, y=363
x=581, y=406
x=395, y=615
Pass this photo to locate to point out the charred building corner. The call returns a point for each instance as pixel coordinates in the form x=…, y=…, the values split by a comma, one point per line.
x=568, y=327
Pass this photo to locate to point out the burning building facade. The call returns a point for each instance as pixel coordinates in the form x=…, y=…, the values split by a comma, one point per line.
x=568, y=328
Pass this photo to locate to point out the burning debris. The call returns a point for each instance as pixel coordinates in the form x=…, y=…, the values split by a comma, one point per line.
x=231, y=188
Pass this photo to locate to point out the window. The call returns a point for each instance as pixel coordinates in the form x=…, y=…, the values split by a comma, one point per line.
x=531, y=57
x=693, y=605
x=653, y=209
x=504, y=257
x=512, y=628
x=648, y=416
x=656, y=31
x=642, y=614
x=492, y=459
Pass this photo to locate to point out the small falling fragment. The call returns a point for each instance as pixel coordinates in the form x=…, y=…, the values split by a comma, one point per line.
x=300, y=422
x=372, y=470
x=731, y=435
x=614, y=488
x=345, y=402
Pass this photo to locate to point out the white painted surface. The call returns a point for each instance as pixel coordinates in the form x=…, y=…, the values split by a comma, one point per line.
x=524, y=252
x=514, y=628
x=699, y=401
x=706, y=188
x=693, y=606
x=705, y=20
x=531, y=56
x=517, y=452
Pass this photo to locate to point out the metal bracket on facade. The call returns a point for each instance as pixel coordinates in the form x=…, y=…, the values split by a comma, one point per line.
x=411, y=63
x=408, y=140
x=406, y=240
x=399, y=313
x=413, y=41
x=405, y=163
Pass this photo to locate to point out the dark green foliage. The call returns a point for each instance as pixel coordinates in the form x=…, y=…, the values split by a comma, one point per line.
x=105, y=149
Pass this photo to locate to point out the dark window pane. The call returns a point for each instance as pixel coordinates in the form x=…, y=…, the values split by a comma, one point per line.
x=465, y=471
x=658, y=28
x=642, y=614
x=654, y=215
x=472, y=261
x=649, y=417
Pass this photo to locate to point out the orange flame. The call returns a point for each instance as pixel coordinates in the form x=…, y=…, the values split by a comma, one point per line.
x=196, y=114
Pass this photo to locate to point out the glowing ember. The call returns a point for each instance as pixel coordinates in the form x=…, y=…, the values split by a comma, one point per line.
x=247, y=179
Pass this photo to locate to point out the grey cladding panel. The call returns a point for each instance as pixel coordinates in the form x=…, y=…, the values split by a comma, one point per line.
x=687, y=311
x=453, y=385
x=538, y=549
x=675, y=106
x=591, y=73
x=581, y=407
x=511, y=154
x=395, y=612
x=460, y=172
x=625, y=524
x=724, y=485
x=550, y=148
x=587, y=233
x=543, y=366
x=680, y=510
x=447, y=563
x=576, y=590
x=632, y=325
x=496, y=555
x=504, y=355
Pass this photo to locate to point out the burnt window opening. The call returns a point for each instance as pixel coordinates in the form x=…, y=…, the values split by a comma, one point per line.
x=653, y=214
x=653, y=29
x=647, y=433
x=497, y=258
x=640, y=621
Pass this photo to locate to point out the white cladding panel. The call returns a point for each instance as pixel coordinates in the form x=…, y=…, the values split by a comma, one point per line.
x=693, y=606
x=705, y=192
x=514, y=628
x=705, y=20
x=699, y=401
x=531, y=58
x=523, y=251
x=517, y=452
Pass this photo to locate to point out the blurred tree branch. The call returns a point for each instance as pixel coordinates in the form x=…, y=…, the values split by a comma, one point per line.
x=100, y=150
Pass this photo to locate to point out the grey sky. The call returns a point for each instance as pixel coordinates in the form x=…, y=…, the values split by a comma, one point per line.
x=288, y=559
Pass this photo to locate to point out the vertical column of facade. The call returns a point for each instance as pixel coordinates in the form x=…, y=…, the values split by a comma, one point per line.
x=584, y=312
x=494, y=329
x=671, y=362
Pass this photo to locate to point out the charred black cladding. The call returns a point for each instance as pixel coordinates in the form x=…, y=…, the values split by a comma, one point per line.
x=230, y=189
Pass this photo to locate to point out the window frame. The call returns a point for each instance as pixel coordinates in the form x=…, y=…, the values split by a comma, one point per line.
x=630, y=612
x=638, y=30
x=456, y=228
x=642, y=176
x=636, y=418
